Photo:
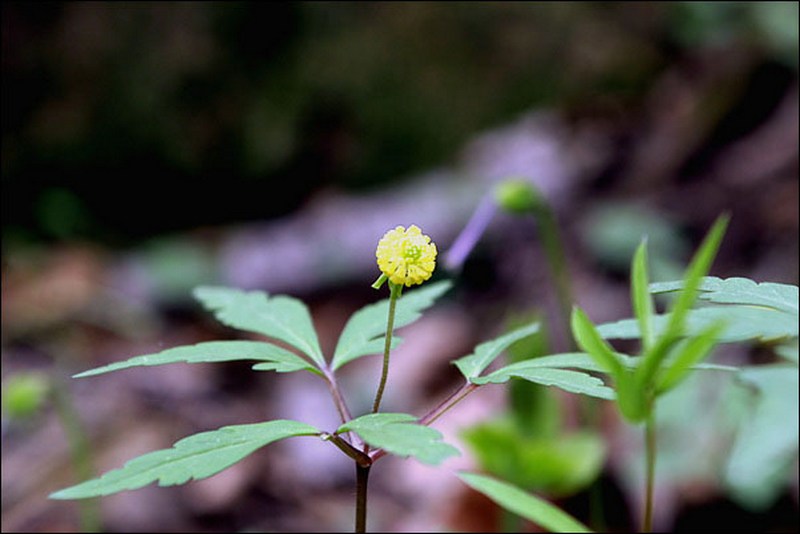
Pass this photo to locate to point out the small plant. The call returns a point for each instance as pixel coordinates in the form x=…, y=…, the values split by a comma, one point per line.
x=672, y=345
x=667, y=356
x=406, y=257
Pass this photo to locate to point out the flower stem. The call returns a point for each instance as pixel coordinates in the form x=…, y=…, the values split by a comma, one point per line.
x=362, y=477
x=557, y=260
x=395, y=291
x=650, y=459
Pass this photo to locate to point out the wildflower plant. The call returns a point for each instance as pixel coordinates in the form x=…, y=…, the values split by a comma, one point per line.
x=406, y=257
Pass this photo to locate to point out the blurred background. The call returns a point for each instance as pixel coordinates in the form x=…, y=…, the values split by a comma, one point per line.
x=150, y=147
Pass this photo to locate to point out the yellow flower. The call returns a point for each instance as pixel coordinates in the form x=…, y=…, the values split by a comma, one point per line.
x=406, y=256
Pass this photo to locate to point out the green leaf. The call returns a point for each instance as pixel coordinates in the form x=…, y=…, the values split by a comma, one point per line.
x=533, y=508
x=767, y=441
x=743, y=322
x=567, y=360
x=279, y=359
x=365, y=331
x=281, y=317
x=473, y=365
x=695, y=349
x=400, y=434
x=782, y=297
x=572, y=381
x=642, y=301
x=630, y=399
x=195, y=457
x=765, y=311
x=587, y=338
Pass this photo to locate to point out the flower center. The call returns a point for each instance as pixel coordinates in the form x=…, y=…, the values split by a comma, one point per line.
x=412, y=252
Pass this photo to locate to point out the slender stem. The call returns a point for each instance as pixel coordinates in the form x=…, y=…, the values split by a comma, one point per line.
x=557, y=259
x=454, y=398
x=362, y=477
x=394, y=294
x=338, y=399
x=597, y=514
x=89, y=511
x=363, y=467
x=650, y=454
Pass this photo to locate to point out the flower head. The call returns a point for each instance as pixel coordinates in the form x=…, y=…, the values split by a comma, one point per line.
x=406, y=257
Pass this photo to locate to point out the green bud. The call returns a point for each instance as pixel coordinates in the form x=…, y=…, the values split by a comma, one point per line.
x=24, y=393
x=517, y=196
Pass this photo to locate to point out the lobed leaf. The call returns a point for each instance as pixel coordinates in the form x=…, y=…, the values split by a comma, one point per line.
x=400, y=434
x=277, y=358
x=783, y=297
x=473, y=365
x=280, y=317
x=572, y=381
x=526, y=505
x=552, y=371
x=765, y=311
x=195, y=457
x=365, y=331
x=743, y=322
x=569, y=360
